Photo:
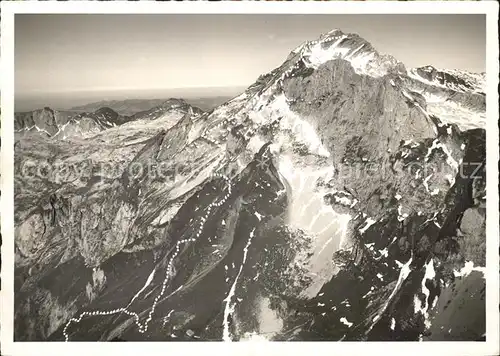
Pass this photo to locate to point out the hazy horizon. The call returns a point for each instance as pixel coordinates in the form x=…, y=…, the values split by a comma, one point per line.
x=68, y=100
x=85, y=57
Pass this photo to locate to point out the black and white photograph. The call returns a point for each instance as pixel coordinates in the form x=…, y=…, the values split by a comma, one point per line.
x=250, y=177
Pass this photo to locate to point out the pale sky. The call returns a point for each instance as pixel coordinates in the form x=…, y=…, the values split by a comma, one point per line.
x=74, y=53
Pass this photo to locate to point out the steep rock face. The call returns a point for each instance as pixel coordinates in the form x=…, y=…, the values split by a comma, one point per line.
x=393, y=300
x=88, y=124
x=361, y=121
x=326, y=202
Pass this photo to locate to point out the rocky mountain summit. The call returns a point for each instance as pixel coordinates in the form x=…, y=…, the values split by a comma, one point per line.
x=73, y=124
x=61, y=124
x=44, y=121
x=340, y=197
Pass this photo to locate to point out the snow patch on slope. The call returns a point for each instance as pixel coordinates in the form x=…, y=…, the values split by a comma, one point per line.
x=467, y=269
x=451, y=112
x=429, y=275
x=403, y=274
x=363, y=60
x=229, y=309
x=308, y=211
x=301, y=131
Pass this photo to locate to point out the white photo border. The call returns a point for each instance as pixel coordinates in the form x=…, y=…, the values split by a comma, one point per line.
x=8, y=11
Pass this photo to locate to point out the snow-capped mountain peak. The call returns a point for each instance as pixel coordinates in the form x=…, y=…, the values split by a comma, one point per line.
x=351, y=47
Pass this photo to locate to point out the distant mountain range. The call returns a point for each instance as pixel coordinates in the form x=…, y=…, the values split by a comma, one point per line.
x=340, y=197
x=72, y=123
x=133, y=106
